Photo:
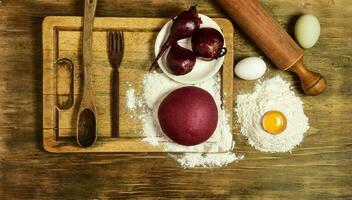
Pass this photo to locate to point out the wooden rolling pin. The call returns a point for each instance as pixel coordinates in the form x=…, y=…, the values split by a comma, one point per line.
x=273, y=40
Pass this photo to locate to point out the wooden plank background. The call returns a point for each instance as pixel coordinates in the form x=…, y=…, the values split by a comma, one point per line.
x=321, y=168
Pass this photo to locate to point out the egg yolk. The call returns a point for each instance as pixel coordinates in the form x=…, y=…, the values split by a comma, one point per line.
x=274, y=122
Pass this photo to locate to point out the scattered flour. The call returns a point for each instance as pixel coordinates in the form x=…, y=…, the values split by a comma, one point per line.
x=272, y=94
x=156, y=86
x=131, y=99
x=190, y=160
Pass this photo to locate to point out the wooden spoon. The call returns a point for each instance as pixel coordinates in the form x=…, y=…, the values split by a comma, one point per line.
x=86, y=134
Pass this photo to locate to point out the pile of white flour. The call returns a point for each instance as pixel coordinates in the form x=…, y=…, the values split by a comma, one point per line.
x=156, y=86
x=272, y=94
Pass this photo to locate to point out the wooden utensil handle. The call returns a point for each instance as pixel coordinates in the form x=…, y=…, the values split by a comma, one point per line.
x=312, y=83
x=273, y=40
x=89, y=13
x=115, y=104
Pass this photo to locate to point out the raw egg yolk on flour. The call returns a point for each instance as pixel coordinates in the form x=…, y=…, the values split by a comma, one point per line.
x=274, y=122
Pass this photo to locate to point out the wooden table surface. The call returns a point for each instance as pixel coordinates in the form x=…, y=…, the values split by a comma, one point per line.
x=321, y=168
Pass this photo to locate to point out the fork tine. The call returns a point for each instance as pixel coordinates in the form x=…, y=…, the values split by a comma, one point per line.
x=110, y=42
x=118, y=41
x=114, y=41
x=116, y=46
x=122, y=45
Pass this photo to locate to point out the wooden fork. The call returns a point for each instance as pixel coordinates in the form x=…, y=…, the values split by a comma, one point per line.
x=116, y=50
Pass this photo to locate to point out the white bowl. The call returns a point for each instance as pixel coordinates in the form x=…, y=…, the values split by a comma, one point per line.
x=202, y=69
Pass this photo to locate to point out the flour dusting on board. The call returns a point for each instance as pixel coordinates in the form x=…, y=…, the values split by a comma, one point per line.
x=131, y=99
x=156, y=86
x=133, y=102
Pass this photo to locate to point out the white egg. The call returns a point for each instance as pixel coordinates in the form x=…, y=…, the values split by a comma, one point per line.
x=307, y=31
x=250, y=68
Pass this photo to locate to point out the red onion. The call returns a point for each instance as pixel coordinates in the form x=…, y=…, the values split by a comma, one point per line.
x=180, y=60
x=207, y=43
x=183, y=26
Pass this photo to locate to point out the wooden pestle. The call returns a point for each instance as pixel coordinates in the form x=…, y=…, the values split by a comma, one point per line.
x=273, y=40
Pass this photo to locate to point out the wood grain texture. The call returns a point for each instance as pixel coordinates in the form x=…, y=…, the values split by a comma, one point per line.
x=274, y=41
x=62, y=37
x=264, y=30
x=319, y=169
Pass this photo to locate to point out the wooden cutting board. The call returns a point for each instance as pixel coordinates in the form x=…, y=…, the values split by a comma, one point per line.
x=62, y=38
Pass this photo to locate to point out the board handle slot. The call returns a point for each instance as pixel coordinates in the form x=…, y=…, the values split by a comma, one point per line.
x=64, y=83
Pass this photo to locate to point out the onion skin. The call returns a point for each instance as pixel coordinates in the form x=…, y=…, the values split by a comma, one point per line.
x=183, y=26
x=207, y=44
x=180, y=60
x=188, y=115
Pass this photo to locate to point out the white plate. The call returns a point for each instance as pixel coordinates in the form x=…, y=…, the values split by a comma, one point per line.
x=202, y=69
